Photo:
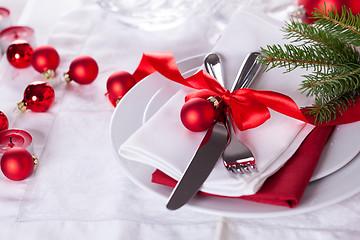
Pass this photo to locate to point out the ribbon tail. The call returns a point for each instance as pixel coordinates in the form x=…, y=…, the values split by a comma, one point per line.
x=165, y=64
x=162, y=62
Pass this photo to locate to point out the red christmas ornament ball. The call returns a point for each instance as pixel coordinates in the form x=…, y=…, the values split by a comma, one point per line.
x=19, y=54
x=4, y=123
x=311, y=5
x=197, y=114
x=82, y=70
x=119, y=83
x=17, y=164
x=38, y=97
x=45, y=58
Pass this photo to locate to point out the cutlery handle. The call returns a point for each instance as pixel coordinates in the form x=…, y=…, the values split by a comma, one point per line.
x=247, y=72
x=214, y=67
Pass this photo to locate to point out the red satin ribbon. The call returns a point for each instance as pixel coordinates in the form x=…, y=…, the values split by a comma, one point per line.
x=250, y=108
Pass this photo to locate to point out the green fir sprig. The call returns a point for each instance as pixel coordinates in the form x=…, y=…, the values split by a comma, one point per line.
x=328, y=50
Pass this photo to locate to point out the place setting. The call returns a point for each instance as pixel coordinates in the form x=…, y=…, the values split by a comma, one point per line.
x=291, y=166
x=184, y=119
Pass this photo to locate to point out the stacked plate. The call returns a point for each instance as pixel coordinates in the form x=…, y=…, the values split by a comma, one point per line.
x=335, y=178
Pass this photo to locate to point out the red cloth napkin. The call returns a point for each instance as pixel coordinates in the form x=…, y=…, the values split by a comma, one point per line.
x=286, y=186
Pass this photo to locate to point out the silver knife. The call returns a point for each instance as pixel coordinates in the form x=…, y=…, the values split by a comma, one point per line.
x=199, y=168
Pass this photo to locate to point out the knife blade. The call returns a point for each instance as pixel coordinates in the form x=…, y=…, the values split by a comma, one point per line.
x=199, y=168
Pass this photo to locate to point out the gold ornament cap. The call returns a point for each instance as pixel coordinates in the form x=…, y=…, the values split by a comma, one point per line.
x=36, y=161
x=67, y=77
x=22, y=106
x=298, y=12
x=214, y=101
x=48, y=74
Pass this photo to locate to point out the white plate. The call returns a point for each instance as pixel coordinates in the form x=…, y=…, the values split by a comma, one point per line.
x=341, y=147
x=146, y=97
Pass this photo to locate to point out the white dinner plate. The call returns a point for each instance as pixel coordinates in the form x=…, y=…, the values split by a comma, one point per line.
x=144, y=99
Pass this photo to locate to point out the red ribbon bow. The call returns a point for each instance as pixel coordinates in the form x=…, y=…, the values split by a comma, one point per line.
x=250, y=108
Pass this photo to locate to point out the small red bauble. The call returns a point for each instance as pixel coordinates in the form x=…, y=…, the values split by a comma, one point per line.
x=38, y=97
x=4, y=123
x=311, y=5
x=19, y=54
x=45, y=60
x=197, y=114
x=119, y=83
x=17, y=163
x=82, y=70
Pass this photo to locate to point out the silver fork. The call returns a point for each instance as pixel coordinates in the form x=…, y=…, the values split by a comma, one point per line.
x=237, y=157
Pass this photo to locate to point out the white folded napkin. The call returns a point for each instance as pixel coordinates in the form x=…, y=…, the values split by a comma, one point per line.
x=164, y=143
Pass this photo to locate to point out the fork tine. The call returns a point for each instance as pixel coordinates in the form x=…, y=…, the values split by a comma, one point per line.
x=249, y=167
x=239, y=169
x=253, y=167
x=235, y=169
x=243, y=168
x=246, y=169
x=230, y=168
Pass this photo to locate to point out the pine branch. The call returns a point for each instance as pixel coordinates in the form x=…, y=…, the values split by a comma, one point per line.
x=338, y=83
x=306, y=34
x=345, y=26
x=290, y=57
x=326, y=110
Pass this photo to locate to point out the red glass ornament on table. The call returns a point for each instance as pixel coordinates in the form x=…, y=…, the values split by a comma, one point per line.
x=311, y=5
x=4, y=122
x=19, y=54
x=82, y=70
x=118, y=84
x=38, y=97
x=197, y=114
x=45, y=60
x=17, y=163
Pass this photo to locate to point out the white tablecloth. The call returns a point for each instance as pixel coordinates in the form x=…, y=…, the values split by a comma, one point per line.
x=90, y=197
